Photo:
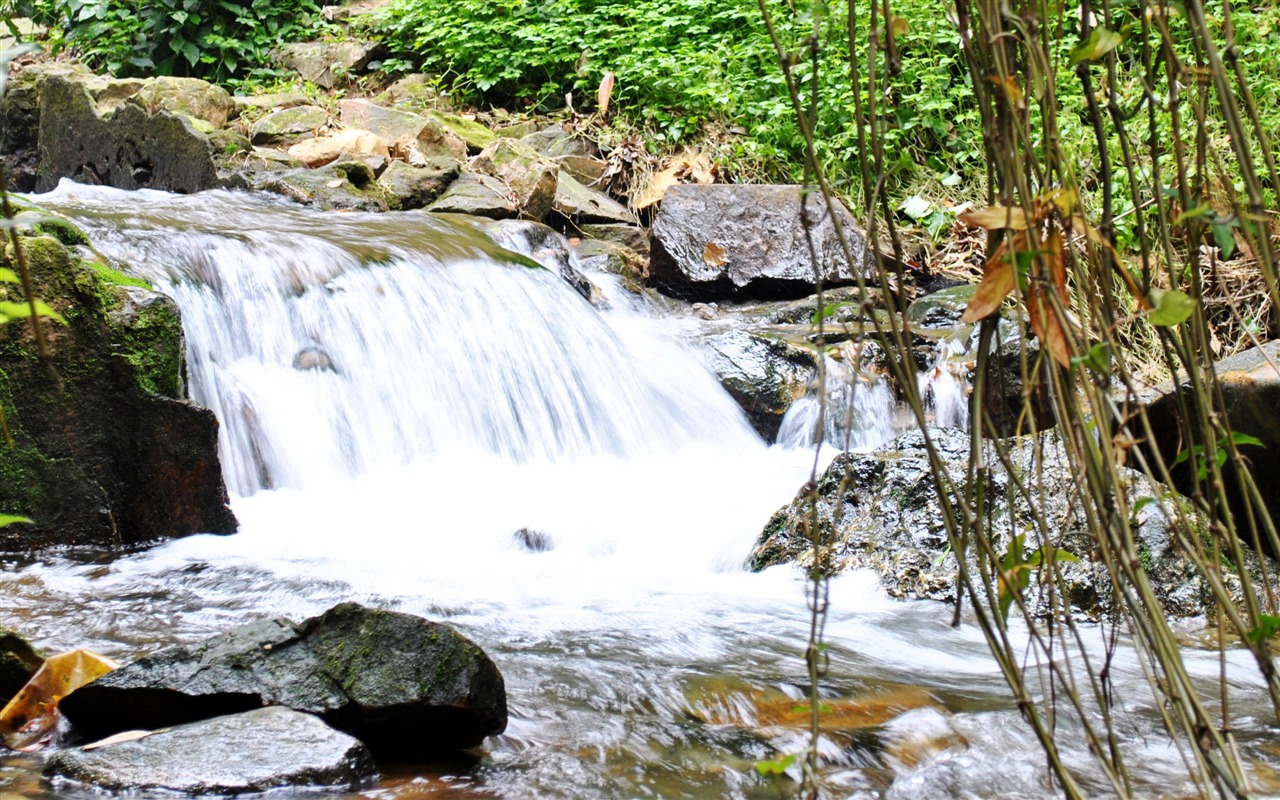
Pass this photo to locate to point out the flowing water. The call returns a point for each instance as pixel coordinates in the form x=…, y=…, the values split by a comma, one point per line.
x=398, y=397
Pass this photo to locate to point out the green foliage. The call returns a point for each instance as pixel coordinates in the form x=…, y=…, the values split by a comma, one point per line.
x=212, y=39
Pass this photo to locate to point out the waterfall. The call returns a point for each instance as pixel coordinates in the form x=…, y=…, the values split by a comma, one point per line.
x=332, y=346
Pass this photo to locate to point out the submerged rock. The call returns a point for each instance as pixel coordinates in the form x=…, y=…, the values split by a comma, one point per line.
x=107, y=453
x=720, y=241
x=252, y=752
x=395, y=681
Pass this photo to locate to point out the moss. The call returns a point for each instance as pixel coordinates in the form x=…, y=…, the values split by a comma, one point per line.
x=62, y=230
x=115, y=277
x=152, y=344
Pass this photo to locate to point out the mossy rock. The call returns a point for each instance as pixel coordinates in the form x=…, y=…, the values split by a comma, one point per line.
x=18, y=662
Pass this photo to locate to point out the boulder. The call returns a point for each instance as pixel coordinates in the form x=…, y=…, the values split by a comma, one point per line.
x=721, y=241
x=543, y=245
x=415, y=91
x=1250, y=382
x=329, y=148
x=18, y=662
x=879, y=511
x=530, y=178
x=190, y=96
x=326, y=64
x=476, y=136
x=108, y=453
x=269, y=102
x=584, y=169
x=406, y=186
x=128, y=147
x=288, y=122
x=763, y=373
x=393, y=126
x=341, y=186
x=395, y=681
x=248, y=753
x=632, y=237
x=477, y=195
x=580, y=204
x=616, y=259
x=555, y=141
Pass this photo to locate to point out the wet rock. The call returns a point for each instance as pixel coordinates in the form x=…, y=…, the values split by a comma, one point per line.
x=543, y=245
x=764, y=374
x=616, y=259
x=879, y=510
x=530, y=178
x=326, y=64
x=533, y=541
x=111, y=456
x=18, y=662
x=342, y=186
x=190, y=96
x=477, y=195
x=580, y=204
x=395, y=681
x=722, y=241
x=632, y=237
x=350, y=143
x=287, y=123
x=584, y=169
x=1250, y=382
x=314, y=358
x=252, y=752
x=406, y=186
x=127, y=148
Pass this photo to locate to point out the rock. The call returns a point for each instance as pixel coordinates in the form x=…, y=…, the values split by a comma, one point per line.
x=555, y=141
x=190, y=96
x=314, y=358
x=615, y=259
x=326, y=64
x=341, y=186
x=533, y=541
x=329, y=148
x=764, y=374
x=392, y=126
x=288, y=122
x=127, y=148
x=415, y=91
x=476, y=136
x=584, y=169
x=406, y=186
x=888, y=521
x=632, y=237
x=269, y=102
x=543, y=245
x=1250, y=384
x=112, y=456
x=397, y=682
x=531, y=179
x=721, y=241
x=252, y=752
x=581, y=204
x=18, y=662
x=477, y=195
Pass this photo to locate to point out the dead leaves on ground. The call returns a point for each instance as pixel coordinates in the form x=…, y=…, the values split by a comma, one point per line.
x=31, y=717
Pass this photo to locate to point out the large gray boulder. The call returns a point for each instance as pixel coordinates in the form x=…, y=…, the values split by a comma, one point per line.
x=407, y=186
x=395, y=681
x=252, y=752
x=879, y=511
x=128, y=147
x=720, y=241
x=763, y=373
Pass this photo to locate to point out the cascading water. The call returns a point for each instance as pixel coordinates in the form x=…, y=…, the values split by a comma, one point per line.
x=398, y=397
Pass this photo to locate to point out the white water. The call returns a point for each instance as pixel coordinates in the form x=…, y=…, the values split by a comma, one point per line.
x=470, y=398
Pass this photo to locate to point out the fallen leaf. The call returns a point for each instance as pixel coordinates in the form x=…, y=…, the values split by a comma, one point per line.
x=998, y=278
x=996, y=217
x=31, y=716
x=604, y=92
x=714, y=255
x=684, y=168
x=334, y=184
x=123, y=736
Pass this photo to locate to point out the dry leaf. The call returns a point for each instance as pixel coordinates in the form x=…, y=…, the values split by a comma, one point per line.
x=32, y=715
x=124, y=736
x=1046, y=323
x=684, y=168
x=998, y=278
x=604, y=92
x=996, y=217
x=714, y=255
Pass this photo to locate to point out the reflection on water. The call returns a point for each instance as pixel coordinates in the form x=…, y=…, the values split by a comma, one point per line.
x=469, y=398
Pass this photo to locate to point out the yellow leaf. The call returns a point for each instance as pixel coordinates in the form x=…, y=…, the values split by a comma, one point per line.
x=714, y=255
x=32, y=715
x=898, y=26
x=689, y=167
x=995, y=217
x=1012, y=90
x=998, y=279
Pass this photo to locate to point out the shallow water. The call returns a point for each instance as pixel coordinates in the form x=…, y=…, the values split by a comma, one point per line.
x=469, y=396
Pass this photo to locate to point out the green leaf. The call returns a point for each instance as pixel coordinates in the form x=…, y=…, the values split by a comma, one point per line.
x=1195, y=213
x=1238, y=438
x=1224, y=237
x=22, y=310
x=915, y=207
x=1097, y=359
x=9, y=519
x=9, y=276
x=828, y=310
x=1171, y=307
x=1142, y=503
x=775, y=767
x=1102, y=40
x=1268, y=626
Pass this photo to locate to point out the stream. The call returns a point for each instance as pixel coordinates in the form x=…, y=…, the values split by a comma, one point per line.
x=398, y=397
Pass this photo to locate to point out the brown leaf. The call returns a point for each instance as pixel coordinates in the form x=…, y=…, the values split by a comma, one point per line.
x=1046, y=322
x=714, y=255
x=32, y=715
x=123, y=736
x=684, y=168
x=1081, y=226
x=604, y=92
x=998, y=279
x=996, y=217
x=1056, y=253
